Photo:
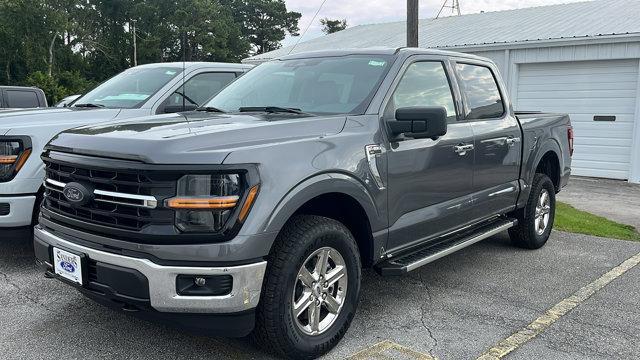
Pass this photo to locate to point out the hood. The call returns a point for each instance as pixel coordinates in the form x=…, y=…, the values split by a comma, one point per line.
x=192, y=138
x=18, y=121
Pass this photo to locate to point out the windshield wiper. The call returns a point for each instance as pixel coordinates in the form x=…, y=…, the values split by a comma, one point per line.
x=210, y=109
x=89, y=105
x=272, y=109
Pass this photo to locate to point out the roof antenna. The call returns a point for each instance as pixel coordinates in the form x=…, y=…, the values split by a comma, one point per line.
x=308, y=26
x=184, y=67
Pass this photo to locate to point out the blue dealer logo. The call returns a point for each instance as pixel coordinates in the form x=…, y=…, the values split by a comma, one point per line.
x=66, y=266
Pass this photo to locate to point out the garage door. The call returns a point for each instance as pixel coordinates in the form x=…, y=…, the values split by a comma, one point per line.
x=600, y=97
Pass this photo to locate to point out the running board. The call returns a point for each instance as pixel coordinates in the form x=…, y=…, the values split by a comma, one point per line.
x=420, y=256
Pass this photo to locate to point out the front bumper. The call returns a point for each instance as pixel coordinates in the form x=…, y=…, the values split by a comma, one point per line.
x=20, y=211
x=162, y=291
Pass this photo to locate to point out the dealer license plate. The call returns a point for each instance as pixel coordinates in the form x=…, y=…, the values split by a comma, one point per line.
x=68, y=265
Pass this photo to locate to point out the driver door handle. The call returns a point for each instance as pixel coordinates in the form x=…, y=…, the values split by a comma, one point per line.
x=463, y=149
x=512, y=141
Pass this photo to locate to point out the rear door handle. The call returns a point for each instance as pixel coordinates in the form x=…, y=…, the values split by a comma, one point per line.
x=462, y=150
x=512, y=141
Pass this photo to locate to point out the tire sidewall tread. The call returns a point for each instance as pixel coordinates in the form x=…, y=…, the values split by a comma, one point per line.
x=524, y=234
x=276, y=330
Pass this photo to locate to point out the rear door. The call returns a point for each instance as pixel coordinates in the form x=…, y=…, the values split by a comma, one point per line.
x=429, y=183
x=497, y=135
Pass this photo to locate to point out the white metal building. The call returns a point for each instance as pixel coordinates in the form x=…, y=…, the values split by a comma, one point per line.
x=579, y=58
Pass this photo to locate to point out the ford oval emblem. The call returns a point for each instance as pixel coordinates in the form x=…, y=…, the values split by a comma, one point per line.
x=69, y=267
x=73, y=194
x=78, y=194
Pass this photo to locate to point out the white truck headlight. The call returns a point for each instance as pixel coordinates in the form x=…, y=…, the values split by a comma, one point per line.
x=14, y=152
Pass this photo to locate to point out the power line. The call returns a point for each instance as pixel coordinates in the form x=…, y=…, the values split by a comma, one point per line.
x=308, y=26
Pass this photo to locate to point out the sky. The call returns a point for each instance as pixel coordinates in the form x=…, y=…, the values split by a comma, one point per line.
x=359, y=12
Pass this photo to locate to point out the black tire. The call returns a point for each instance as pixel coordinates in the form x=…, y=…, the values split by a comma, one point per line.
x=525, y=234
x=36, y=208
x=276, y=330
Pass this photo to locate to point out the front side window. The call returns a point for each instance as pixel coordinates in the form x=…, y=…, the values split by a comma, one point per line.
x=200, y=88
x=481, y=91
x=424, y=84
x=129, y=89
x=329, y=85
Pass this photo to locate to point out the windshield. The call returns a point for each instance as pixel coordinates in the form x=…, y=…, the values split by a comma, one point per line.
x=129, y=89
x=331, y=85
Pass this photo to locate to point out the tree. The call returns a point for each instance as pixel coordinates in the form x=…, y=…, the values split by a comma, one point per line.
x=66, y=46
x=211, y=32
x=331, y=26
x=264, y=23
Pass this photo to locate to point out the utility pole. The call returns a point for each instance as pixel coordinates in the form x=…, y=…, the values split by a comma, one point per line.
x=412, y=23
x=135, y=46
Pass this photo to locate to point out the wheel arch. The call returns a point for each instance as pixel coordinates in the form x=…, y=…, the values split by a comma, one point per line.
x=340, y=197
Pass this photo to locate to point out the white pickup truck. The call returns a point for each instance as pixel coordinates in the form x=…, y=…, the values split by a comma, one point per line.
x=143, y=90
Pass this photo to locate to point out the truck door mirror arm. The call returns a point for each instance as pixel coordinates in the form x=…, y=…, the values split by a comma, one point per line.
x=419, y=122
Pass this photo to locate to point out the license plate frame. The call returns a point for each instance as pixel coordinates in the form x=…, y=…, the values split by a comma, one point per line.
x=69, y=266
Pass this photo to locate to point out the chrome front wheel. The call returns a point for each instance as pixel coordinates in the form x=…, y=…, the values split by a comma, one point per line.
x=320, y=291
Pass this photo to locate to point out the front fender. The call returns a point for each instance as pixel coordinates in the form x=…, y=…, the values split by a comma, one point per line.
x=324, y=184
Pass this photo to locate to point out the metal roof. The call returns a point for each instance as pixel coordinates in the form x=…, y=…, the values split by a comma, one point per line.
x=566, y=21
x=376, y=51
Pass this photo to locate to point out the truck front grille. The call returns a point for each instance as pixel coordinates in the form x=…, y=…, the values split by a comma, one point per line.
x=121, y=197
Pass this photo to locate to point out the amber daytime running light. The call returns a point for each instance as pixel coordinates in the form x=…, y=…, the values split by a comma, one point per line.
x=205, y=203
x=221, y=202
x=13, y=155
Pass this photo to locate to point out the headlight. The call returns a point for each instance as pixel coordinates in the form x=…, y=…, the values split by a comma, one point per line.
x=14, y=152
x=204, y=203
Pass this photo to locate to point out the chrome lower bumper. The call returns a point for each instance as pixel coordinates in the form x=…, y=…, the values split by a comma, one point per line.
x=245, y=294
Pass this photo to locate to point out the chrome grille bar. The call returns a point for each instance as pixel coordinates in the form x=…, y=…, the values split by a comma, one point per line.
x=143, y=201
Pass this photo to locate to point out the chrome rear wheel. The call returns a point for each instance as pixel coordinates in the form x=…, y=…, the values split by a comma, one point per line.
x=543, y=211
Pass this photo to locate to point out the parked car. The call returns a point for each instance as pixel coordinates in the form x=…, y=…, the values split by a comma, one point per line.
x=67, y=101
x=143, y=90
x=21, y=97
x=257, y=214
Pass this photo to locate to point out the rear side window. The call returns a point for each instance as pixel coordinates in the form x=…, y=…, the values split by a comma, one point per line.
x=481, y=91
x=21, y=99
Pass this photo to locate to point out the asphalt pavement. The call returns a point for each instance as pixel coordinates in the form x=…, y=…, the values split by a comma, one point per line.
x=455, y=308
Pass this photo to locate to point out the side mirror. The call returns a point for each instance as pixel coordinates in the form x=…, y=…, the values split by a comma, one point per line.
x=420, y=122
x=171, y=109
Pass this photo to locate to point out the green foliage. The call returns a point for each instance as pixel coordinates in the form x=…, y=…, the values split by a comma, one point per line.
x=59, y=86
x=68, y=46
x=264, y=23
x=49, y=85
x=331, y=26
x=570, y=219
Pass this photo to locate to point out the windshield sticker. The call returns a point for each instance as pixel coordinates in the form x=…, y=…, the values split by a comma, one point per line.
x=170, y=72
x=136, y=97
x=377, y=63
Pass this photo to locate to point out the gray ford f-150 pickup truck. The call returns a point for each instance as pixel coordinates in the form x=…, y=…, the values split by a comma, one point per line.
x=257, y=214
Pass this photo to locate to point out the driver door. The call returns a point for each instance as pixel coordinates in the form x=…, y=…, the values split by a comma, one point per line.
x=429, y=181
